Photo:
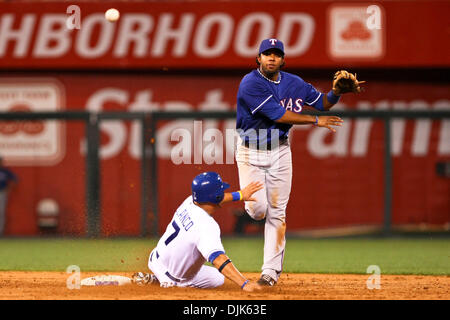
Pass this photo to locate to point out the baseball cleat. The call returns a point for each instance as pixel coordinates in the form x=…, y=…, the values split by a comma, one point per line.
x=142, y=278
x=266, y=280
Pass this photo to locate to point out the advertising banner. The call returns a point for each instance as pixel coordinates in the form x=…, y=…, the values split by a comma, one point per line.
x=222, y=35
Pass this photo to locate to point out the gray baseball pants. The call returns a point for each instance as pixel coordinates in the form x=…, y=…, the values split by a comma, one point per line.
x=274, y=169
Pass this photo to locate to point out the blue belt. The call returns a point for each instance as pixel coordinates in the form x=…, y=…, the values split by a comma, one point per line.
x=263, y=145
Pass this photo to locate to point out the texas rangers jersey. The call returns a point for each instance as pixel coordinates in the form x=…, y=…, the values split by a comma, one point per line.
x=191, y=238
x=261, y=101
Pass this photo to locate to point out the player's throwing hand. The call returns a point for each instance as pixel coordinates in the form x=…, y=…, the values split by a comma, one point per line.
x=328, y=121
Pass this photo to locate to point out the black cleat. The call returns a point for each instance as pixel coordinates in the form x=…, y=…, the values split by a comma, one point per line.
x=266, y=280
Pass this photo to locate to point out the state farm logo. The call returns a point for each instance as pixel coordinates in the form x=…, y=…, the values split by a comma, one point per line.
x=31, y=142
x=27, y=127
x=355, y=32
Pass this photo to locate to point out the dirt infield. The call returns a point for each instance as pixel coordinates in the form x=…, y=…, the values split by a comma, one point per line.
x=52, y=286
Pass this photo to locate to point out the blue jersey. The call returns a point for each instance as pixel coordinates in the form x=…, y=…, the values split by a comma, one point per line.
x=260, y=102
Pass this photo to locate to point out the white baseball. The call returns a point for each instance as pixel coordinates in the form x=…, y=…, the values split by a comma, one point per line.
x=112, y=15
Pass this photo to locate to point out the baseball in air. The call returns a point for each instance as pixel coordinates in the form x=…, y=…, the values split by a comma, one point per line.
x=112, y=15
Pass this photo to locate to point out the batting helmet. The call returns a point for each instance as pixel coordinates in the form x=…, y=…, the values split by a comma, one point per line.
x=208, y=187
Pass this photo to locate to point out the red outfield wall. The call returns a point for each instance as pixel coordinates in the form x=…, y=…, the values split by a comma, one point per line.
x=338, y=178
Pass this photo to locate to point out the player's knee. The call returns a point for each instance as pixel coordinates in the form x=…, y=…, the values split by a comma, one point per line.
x=257, y=210
x=218, y=281
x=221, y=281
x=278, y=215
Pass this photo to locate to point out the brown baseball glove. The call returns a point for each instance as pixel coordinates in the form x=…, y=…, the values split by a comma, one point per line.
x=344, y=82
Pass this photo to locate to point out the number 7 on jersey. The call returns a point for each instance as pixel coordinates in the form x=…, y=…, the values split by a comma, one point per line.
x=173, y=235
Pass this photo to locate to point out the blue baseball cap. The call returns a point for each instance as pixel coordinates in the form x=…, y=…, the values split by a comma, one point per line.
x=272, y=43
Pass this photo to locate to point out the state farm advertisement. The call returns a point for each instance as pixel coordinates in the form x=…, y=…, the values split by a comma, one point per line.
x=205, y=34
x=337, y=181
x=33, y=141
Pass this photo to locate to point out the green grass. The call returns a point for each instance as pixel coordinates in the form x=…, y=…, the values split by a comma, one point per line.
x=392, y=255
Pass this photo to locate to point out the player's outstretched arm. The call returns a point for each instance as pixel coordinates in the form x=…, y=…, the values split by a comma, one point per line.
x=227, y=268
x=321, y=121
x=244, y=194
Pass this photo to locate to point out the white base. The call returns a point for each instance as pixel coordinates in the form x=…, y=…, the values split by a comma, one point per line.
x=106, y=280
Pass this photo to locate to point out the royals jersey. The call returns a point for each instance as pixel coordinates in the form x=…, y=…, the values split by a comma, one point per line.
x=260, y=102
x=191, y=238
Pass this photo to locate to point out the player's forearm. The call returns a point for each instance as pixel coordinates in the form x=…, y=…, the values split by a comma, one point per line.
x=231, y=196
x=329, y=100
x=327, y=105
x=227, y=198
x=290, y=117
x=229, y=270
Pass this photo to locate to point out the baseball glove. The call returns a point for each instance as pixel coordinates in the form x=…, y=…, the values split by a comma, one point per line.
x=344, y=82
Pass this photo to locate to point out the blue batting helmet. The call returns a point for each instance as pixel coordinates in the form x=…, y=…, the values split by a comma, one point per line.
x=208, y=187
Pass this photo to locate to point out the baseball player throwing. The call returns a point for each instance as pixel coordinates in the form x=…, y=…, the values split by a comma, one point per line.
x=193, y=237
x=269, y=102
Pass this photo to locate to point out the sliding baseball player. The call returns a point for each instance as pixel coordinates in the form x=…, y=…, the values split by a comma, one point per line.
x=193, y=237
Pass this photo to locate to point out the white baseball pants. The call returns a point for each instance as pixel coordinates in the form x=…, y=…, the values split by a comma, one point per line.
x=274, y=169
x=206, y=277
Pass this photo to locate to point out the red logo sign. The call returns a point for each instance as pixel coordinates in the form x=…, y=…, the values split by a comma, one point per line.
x=356, y=30
x=27, y=127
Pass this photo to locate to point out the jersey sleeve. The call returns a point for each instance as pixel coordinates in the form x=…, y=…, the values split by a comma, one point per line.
x=209, y=243
x=259, y=99
x=313, y=96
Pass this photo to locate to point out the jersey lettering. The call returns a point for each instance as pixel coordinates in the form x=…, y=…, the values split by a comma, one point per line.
x=289, y=105
x=298, y=105
x=185, y=219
